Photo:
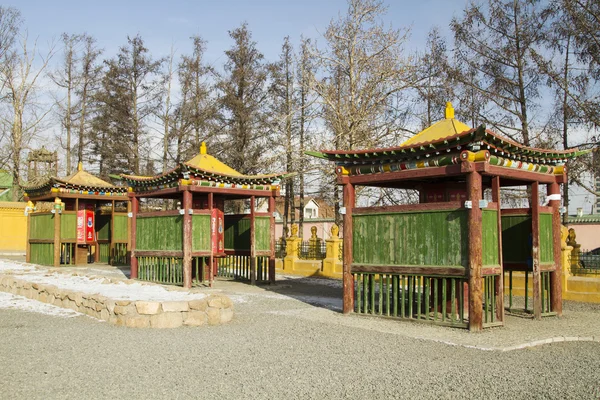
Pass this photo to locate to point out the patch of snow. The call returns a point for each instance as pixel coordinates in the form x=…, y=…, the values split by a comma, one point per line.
x=8, y=266
x=14, y=302
x=82, y=284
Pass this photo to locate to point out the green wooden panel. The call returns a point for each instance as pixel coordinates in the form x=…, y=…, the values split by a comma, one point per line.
x=200, y=232
x=159, y=233
x=68, y=226
x=490, y=237
x=262, y=226
x=237, y=232
x=413, y=238
x=42, y=226
x=516, y=238
x=42, y=253
x=120, y=228
x=102, y=226
x=546, y=239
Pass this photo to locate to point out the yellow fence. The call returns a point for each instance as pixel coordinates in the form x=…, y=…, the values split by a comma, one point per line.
x=13, y=228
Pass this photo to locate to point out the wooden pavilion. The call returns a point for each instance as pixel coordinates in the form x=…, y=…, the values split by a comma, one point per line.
x=198, y=240
x=85, y=222
x=443, y=260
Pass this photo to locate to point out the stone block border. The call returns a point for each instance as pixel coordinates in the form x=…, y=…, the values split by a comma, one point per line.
x=214, y=309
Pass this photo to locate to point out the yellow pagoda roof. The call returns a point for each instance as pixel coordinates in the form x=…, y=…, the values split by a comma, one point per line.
x=209, y=163
x=440, y=130
x=84, y=179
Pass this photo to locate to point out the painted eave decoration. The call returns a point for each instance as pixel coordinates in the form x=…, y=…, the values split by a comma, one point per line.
x=80, y=182
x=204, y=170
x=442, y=144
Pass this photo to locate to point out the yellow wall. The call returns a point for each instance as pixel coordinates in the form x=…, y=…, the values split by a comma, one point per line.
x=13, y=227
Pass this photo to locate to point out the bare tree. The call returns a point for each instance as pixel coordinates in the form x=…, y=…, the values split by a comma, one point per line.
x=434, y=84
x=305, y=70
x=24, y=116
x=166, y=109
x=65, y=77
x=363, y=73
x=283, y=108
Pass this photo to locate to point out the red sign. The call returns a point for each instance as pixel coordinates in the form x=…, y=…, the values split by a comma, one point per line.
x=217, y=231
x=85, y=223
x=81, y=226
x=89, y=226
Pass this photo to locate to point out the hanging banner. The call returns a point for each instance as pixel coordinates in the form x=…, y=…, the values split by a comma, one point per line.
x=217, y=231
x=81, y=225
x=89, y=226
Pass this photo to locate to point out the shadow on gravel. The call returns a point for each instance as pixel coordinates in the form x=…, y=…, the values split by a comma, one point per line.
x=316, y=291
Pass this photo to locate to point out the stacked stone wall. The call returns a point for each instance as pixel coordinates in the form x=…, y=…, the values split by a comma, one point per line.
x=211, y=310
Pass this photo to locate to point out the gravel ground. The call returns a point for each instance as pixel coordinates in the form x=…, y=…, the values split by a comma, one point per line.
x=289, y=341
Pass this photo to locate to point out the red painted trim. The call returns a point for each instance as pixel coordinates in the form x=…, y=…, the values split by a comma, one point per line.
x=389, y=177
x=521, y=175
x=232, y=192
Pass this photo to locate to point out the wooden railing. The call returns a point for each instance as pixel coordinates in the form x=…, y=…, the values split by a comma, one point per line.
x=527, y=305
x=424, y=298
x=238, y=267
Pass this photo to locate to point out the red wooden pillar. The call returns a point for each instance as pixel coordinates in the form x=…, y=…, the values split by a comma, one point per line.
x=499, y=284
x=57, y=215
x=111, y=250
x=252, y=242
x=535, y=249
x=556, y=275
x=272, y=237
x=28, y=244
x=348, y=280
x=134, y=205
x=187, y=239
x=475, y=233
x=211, y=260
x=129, y=212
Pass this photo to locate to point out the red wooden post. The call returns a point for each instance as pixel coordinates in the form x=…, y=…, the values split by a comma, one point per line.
x=252, y=243
x=272, y=236
x=111, y=250
x=474, y=194
x=187, y=239
x=211, y=259
x=348, y=280
x=133, y=206
x=499, y=284
x=56, y=234
x=556, y=275
x=28, y=244
x=535, y=249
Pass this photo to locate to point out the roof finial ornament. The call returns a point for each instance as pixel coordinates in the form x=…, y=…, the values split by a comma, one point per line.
x=449, y=111
x=203, y=148
x=80, y=166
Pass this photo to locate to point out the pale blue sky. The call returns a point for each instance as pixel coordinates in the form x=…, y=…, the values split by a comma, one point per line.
x=161, y=23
